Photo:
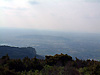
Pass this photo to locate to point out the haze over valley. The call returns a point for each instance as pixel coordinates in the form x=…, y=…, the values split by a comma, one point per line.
x=52, y=26
x=81, y=45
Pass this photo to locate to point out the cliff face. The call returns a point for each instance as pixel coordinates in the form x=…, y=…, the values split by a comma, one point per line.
x=17, y=52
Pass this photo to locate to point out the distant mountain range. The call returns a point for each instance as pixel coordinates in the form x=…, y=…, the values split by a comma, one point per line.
x=19, y=52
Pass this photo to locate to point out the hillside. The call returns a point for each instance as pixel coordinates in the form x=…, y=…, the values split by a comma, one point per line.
x=59, y=64
x=19, y=52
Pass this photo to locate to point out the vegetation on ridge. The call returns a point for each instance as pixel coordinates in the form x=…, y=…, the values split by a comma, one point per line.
x=59, y=64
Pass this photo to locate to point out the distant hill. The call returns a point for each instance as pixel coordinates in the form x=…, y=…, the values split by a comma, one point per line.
x=19, y=52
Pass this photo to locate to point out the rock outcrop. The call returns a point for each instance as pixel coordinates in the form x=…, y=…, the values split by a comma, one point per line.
x=19, y=52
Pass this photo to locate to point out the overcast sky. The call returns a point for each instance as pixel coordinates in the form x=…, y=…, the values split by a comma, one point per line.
x=60, y=15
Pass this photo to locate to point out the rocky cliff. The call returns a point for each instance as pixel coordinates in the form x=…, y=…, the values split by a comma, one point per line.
x=19, y=52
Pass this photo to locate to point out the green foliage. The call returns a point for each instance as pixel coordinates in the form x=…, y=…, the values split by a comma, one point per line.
x=58, y=59
x=61, y=64
x=6, y=71
x=91, y=69
x=52, y=70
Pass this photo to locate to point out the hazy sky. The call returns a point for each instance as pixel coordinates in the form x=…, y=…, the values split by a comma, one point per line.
x=61, y=15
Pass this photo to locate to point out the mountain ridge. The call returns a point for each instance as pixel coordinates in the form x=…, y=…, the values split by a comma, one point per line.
x=19, y=52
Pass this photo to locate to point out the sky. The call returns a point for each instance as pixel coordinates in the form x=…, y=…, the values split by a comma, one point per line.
x=56, y=15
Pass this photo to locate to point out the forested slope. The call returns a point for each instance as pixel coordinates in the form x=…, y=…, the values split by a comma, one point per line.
x=61, y=64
